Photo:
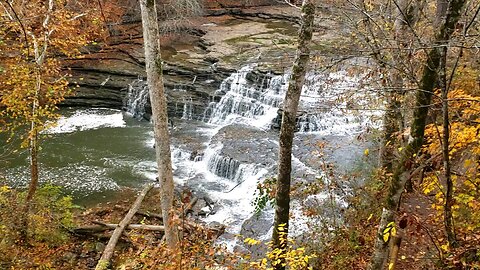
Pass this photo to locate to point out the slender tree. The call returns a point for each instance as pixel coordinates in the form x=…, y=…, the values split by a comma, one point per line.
x=290, y=107
x=33, y=84
x=153, y=61
x=405, y=17
x=449, y=200
x=423, y=99
x=441, y=9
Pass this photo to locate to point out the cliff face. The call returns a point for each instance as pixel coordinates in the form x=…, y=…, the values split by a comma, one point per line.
x=197, y=58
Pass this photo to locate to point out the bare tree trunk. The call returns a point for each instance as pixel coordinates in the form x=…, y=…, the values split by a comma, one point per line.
x=393, y=119
x=423, y=100
x=290, y=106
x=34, y=141
x=406, y=16
x=442, y=82
x=441, y=11
x=158, y=101
x=448, y=216
x=396, y=243
x=33, y=145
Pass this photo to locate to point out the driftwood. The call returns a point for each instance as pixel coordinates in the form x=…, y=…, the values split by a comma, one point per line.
x=102, y=227
x=144, y=227
x=187, y=226
x=104, y=261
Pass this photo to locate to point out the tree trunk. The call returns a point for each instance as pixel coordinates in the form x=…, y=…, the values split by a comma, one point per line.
x=441, y=11
x=104, y=261
x=396, y=243
x=423, y=100
x=394, y=116
x=448, y=216
x=158, y=101
x=290, y=106
x=393, y=119
x=442, y=83
x=33, y=145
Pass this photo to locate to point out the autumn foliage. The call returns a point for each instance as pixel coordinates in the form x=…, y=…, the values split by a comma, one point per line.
x=36, y=37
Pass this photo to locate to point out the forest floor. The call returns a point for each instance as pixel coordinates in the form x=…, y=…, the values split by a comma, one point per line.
x=81, y=251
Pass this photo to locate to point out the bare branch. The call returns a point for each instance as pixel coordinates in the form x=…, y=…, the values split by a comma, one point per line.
x=292, y=5
x=21, y=26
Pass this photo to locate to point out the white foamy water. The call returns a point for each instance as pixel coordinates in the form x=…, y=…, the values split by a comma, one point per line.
x=246, y=102
x=237, y=204
x=323, y=108
x=81, y=178
x=88, y=119
x=230, y=183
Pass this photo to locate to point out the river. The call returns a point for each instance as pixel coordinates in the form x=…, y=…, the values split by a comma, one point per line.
x=222, y=154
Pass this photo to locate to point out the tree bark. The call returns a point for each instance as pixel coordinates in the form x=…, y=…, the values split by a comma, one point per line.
x=393, y=119
x=290, y=107
x=394, y=122
x=441, y=11
x=422, y=104
x=104, y=261
x=153, y=61
x=33, y=147
x=448, y=215
x=396, y=243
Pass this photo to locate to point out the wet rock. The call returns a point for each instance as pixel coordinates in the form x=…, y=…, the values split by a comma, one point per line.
x=244, y=151
x=257, y=227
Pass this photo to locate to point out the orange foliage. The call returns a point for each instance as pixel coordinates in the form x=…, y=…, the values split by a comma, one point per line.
x=36, y=36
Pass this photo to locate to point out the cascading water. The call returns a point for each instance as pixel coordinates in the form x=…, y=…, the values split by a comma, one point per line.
x=136, y=99
x=247, y=102
x=255, y=104
x=187, y=109
x=223, y=157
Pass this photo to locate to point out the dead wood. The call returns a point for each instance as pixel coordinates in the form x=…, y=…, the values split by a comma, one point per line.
x=104, y=261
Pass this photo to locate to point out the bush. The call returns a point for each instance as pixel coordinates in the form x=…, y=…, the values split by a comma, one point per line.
x=49, y=219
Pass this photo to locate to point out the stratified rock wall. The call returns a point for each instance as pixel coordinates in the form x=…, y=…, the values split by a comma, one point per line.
x=194, y=63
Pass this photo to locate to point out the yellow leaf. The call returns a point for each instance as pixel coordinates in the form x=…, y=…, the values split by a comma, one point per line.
x=366, y=152
x=386, y=236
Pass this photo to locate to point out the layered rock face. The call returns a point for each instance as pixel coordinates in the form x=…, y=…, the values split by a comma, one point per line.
x=203, y=52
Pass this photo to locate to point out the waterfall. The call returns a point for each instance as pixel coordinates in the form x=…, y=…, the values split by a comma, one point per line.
x=246, y=101
x=235, y=149
x=136, y=99
x=257, y=102
x=187, y=109
x=223, y=166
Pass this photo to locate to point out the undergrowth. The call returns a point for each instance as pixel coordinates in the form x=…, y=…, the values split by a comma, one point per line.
x=49, y=220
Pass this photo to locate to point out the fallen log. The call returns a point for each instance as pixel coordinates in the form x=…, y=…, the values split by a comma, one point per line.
x=104, y=261
x=145, y=227
x=187, y=225
x=90, y=229
x=189, y=207
x=150, y=214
